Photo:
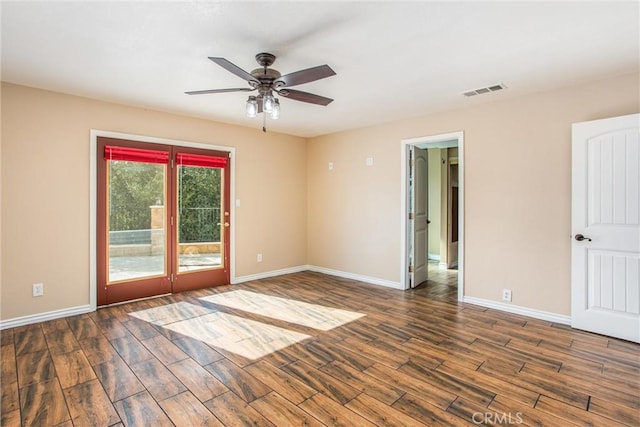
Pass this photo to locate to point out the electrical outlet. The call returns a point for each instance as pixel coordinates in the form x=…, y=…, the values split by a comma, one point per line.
x=38, y=289
x=259, y=257
x=506, y=294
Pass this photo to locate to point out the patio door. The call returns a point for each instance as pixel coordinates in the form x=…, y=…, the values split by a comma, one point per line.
x=163, y=219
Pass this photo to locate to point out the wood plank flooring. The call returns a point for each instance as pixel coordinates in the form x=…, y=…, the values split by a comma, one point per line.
x=415, y=358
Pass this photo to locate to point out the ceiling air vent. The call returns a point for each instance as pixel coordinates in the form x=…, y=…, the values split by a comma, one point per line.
x=482, y=90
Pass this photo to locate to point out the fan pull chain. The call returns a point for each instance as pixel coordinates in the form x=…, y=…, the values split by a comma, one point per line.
x=264, y=122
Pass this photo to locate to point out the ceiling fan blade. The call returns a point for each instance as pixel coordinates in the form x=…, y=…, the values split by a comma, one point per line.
x=234, y=89
x=234, y=69
x=305, y=76
x=311, y=98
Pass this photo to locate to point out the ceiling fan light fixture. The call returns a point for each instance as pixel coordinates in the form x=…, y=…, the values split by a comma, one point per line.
x=252, y=106
x=275, y=112
x=268, y=103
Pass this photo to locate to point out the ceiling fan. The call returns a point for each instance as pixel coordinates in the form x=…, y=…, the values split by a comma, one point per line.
x=268, y=81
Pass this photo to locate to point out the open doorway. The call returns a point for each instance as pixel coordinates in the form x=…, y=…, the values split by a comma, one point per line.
x=433, y=193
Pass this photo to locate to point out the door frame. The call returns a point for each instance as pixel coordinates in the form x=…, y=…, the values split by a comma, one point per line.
x=93, y=197
x=433, y=141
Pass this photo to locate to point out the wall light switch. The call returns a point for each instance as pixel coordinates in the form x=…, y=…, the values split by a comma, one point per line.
x=369, y=161
x=330, y=166
x=237, y=203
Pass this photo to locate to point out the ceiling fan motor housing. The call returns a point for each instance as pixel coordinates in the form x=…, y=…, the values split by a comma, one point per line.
x=266, y=76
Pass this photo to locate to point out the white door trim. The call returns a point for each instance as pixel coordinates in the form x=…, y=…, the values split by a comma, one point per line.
x=93, y=192
x=404, y=203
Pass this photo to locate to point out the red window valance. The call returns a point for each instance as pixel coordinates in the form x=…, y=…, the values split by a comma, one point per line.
x=112, y=152
x=185, y=159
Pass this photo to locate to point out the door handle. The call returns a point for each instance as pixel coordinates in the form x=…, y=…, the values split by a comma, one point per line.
x=580, y=238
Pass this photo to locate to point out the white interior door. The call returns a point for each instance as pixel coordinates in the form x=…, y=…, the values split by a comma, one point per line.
x=420, y=215
x=606, y=227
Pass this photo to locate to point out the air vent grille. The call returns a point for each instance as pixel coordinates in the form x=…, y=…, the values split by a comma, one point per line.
x=482, y=90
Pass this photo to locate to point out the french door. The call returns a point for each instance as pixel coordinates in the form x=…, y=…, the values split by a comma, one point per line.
x=163, y=219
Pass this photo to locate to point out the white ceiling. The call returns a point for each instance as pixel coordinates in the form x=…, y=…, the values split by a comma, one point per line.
x=393, y=60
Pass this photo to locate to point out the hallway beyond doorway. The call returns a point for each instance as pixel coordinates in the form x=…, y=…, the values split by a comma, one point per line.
x=441, y=283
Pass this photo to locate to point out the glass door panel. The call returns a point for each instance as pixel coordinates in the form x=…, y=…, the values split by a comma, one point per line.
x=136, y=220
x=201, y=235
x=200, y=223
x=133, y=203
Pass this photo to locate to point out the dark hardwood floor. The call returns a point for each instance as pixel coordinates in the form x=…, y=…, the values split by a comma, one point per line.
x=415, y=358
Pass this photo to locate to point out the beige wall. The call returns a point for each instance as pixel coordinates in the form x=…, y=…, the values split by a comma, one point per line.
x=354, y=201
x=45, y=192
x=435, y=166
x=294, y=209
x=517, y=191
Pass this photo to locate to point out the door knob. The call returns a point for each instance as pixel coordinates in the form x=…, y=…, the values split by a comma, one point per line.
x=580, y=238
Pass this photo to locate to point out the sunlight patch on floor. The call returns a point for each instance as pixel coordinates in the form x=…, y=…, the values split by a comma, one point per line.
x=248, y=338
x=171, y=313
x=242, y=336
x=301, y=313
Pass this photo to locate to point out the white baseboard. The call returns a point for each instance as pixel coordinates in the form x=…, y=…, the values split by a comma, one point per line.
x=516, y=309
x=43, y=317
x=434, y=257
x=330, y=272
x=267, y=274
x=345, y=275
x=74, y=311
